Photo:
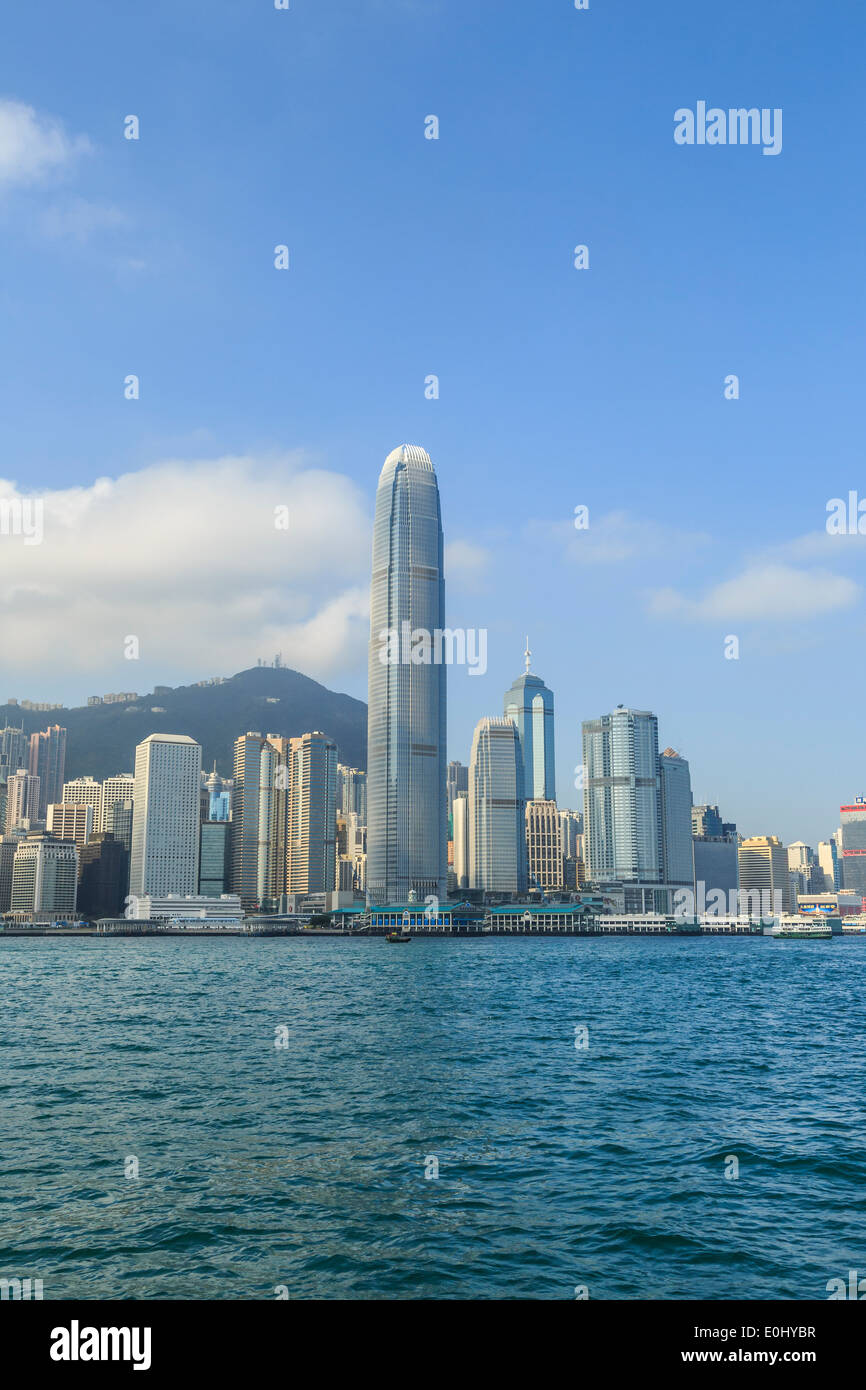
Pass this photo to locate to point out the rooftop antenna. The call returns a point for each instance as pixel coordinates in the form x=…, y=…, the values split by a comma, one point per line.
x=527, y=655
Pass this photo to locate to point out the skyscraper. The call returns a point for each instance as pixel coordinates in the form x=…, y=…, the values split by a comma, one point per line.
x=545, y=864
x=165, y=822
x=213, y=871
x=259, y=817
x=529, y=703
x=622, y=807
x=22, y=800
x=406, y=794
x=116, y=807
x=497, y=818
x=621, y=796
x=457, y=781
x=14, y=751
x=103, y=876
x=312, y=820
x=351, y=792
x=460, y=835
x=72, y=820
x=84, y=791
x=44, y=875
x=675, y=788
x=828, y=859
x=854, y=846
x=763, y=868
x=47, y=762
x=571, y=836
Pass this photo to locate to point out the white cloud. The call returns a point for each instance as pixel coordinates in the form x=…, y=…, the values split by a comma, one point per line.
x=465, y=562
x=34, y=147
x=186, y=557
x=617, y=538
x=763, y=591
x=79, y=219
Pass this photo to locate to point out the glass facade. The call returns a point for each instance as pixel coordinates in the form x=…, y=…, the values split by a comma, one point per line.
x=497, y=809
x=622, y=807
x=854, y=846
x=529, y=703
x=675, y=786
x=406, y=793
x=213, y=879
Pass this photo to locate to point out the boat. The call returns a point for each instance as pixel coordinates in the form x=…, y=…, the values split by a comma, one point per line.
x=398, y=936
x=801, y=928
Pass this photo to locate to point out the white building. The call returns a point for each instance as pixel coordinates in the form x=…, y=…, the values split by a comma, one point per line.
x=84, y=791
x=460, y=817
x=165, y=822
x=44, y=875
x=115, y=790
x=22, y=800
x=191, y=910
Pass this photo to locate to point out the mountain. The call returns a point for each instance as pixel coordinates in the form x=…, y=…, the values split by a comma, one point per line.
x=101, y=739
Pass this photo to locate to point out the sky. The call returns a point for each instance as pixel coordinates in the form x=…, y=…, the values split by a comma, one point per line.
x=605, y=387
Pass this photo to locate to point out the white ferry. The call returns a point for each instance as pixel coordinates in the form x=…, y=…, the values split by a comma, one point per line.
x=802, y=927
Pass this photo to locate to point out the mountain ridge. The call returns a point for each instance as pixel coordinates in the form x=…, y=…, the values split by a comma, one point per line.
x=101, y=739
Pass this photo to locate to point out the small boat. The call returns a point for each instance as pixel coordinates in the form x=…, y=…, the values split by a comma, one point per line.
x=398, y=936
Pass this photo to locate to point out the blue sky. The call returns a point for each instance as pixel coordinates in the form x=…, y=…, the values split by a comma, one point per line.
x=454, y=257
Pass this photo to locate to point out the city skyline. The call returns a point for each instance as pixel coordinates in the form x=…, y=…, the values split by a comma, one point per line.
x=602, y=388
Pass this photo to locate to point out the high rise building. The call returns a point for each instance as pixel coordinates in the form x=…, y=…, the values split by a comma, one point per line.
x=854, y=846
x=763, y=868
x=22, y=800
x=529, y=704
x=84, y=791
x=406, y=793
x=460, y=837
x=71, y=821
x=571, y=834
x=116, y=804
x=245, y=819
x=44, y=875
x=828, y=861
x=218, y=796
x=351, y=852
x=47, y=762
x=214, y=863
x=456, y=781
x=14, y=751
x=312, y=818
x=497, y=818
x=622, y=807
x=259, y=819
x=103, y=877
x=165, y=823
x=675, y=788
x=707, y=823
x=545, y=865
x=716, y=872
x=351, y=792
x=8, y=846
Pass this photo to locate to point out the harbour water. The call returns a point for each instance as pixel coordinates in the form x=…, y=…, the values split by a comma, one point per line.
x=303, y=1168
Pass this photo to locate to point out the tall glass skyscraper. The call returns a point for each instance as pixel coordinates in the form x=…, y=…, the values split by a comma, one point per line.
x=675, y=788
x=406, y=795
x=622, y=801
x=497, y=809
x=529, y=704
